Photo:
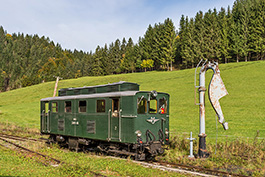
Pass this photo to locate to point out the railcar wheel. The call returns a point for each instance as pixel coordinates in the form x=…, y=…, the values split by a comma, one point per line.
x=149, y=158
x=51, y=140
x=139, y=157
x=73, y=144
x=161, y=151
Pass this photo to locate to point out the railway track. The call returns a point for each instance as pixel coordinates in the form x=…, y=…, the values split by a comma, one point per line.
x=179, y=168
x=189, y=170
x=173, y=169
x=198, y=170
x=42, y=158
x=21, y=138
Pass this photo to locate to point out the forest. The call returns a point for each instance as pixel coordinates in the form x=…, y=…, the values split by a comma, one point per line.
x=229, y=35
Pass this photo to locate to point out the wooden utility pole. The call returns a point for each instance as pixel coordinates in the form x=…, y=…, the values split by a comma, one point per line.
x=56, y=84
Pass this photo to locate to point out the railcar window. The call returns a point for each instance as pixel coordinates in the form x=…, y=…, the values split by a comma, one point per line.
x=82, y=106
x=153, y=106
x=115, y=107
x=68, y=106
x=162, y=106
x=55, y=107
x=100, y=105
x=46, y=107
x=142, y=105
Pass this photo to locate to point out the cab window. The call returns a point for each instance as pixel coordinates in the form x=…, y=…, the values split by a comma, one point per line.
x=46, y=107
x=153, y=106
x=82, y=106
x=55, y=107
x=162, y=106
x=100, y=105
x=115, y=107
x=142, y=105
x=68, y=106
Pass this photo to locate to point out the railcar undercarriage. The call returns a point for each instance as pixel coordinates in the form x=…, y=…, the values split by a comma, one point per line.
x=138, y=151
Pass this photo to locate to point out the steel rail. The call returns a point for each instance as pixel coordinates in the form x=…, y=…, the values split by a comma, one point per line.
x=200, y=169
x=181, y=168
x=31, y=151
x=19, y=138
x=43, y=155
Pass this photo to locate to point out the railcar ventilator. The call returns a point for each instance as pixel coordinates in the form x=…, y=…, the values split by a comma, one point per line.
x=216, y=91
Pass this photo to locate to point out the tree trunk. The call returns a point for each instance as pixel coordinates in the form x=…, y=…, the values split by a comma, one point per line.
x=258, y=56
x=237, y=58
x=6, y=84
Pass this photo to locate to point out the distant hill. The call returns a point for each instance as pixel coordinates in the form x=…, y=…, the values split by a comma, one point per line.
x=243, y=108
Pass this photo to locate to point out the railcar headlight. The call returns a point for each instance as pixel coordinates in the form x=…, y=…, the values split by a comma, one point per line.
x=138, y=133
x=153, y=93
x=166, y=131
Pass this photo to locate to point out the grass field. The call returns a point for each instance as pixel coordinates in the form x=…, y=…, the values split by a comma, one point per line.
x=76, y=164
x=243, y=109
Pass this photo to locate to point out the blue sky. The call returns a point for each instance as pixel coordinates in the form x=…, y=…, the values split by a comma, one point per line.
x=85, y=24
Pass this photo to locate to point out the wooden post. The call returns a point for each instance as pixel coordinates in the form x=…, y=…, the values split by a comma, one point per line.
x=56, y=85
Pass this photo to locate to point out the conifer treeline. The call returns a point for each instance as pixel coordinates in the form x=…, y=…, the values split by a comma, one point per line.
x=227, y=35
x=236, y=34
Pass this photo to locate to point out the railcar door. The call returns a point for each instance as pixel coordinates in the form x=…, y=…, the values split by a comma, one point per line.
x=45, y=117
x=115, y=119
x=70, y=117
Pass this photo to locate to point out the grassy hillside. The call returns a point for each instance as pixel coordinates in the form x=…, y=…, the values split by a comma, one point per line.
x=243, y=108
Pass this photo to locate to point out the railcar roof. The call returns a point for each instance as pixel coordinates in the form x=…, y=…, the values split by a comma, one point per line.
x=96, y=95
x=96, y=86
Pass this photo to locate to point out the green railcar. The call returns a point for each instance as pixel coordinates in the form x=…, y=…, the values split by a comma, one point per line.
x=113, y=118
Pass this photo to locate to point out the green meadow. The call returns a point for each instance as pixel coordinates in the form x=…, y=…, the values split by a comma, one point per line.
x=243, y=108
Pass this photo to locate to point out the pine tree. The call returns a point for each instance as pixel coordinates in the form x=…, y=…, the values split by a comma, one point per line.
x=168, y=43
x=183, y=40
x=191, y=43
x=147, y=43
x=130, y=57
x=157, y=46
x=187, y=41
x=224, y=32
x=256, y=28
x=244, y=27
x=97, y=66
x=105, y=60
x=235, y=35
x=138, y=55
x=212, y=39
x=199, y=36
